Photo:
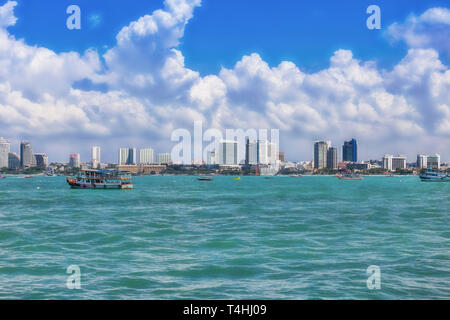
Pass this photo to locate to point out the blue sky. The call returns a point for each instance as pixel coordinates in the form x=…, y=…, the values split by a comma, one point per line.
x=221, y=32
x=138, y=70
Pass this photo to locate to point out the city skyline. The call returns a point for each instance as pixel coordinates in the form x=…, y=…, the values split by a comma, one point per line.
x=385, y=88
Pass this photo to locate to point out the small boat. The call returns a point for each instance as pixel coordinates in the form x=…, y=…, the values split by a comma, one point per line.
x=2, y=177
x=205, y=179
x=101, y=179
x=349, y=176
x=296, y=176
x=434, y=175
x=237, y=178
x=28, y=177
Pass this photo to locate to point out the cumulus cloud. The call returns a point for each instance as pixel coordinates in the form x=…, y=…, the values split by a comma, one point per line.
x=429, y=30
x=149, y=92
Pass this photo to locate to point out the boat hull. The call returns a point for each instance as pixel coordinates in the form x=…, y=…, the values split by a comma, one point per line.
x=100, y=186
x=434, y=179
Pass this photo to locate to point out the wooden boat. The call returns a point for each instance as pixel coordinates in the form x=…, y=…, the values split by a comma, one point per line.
x=101, y=179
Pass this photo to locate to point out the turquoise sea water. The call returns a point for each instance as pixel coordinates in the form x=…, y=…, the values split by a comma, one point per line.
x=179, y=238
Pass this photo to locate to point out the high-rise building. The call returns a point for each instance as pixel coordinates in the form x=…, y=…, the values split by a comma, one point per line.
x=41, y=160
x=228, y=152
x=13, y=161
x=422, y=161
x=320, y=154
x=392, y=163
x=164, y=158
x=75, y=160
x=434, y=161
x=350, y=151
x=95, y=155
x=281, y=156
x=211, y=158
x=252, y=152
x=127, y=156
x=27, y=158
x=146, y=156
x=332, y=158
x=5, y=147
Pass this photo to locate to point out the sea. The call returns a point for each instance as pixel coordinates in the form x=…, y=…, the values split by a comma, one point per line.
x=174, y=237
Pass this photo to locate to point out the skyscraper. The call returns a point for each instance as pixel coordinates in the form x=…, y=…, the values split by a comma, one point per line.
x=332, y=158
x=350, y=151
x=41, y=160
x=252, y=152
x=392, y=163
x=127, y=156
x=422, y=161
x=96, y=157
x=13, y=161
x=5, y=147
x=27, y=159
x=228, y=152
x=434, y=161
x=146, y=156
x=75, y=160
x=320, y=154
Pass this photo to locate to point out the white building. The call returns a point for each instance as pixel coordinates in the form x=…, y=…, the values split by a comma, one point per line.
x=211, y=158
x=422, y=161
x=320, y=154
x=261, y=152
x=147, y=156
x=96, y=157
x=164, y=158
x=434, y=161
x=228, y=153
x=5, y=147
x=127, y=156
x=392, y=163
x=75, y=160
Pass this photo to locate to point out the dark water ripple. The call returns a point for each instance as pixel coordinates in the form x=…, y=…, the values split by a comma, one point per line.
x=177, y=238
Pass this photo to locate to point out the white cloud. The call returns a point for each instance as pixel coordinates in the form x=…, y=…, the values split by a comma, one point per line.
x=7, y=17
x=150, y=92
x=429, y=30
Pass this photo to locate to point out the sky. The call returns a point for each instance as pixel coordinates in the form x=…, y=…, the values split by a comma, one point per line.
x=137, y=70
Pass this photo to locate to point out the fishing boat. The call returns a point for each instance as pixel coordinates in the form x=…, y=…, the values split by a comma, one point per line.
x=434, y=175
x=101, y=179
x=205, y=179
x=349, y=176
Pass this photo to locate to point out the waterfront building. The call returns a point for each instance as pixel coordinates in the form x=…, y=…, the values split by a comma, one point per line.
x=142, y=168
x=350, y=151
x=320, y=154
x=41, y=160
x=13, y=161
x=228, y=152
x=252, y=152
x=422, y=161
x=392, y=163
x=27, y=159
x=164, y=158
x=75, y=160
x=5, y=148
x=146, y=156
x=211, y=158
x=127, y=156
x=434, y=161
x=332, y=158
x=281, y=157
x=95, y=157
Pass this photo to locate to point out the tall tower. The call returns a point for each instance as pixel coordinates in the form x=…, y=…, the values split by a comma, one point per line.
x=350, y=151
x=26, y=155
x=95, y=157
x=320, y=154
x=5, y=147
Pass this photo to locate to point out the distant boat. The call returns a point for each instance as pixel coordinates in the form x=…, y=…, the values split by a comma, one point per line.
x=205, y=179
x=2, y=177
x=296, y=176
x=349, y=176
x=434, y=175
x=237, y=178
x=28, y=177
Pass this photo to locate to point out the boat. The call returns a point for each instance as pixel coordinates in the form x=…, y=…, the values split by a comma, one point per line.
x=296, y=176
x=205, y=179
x=2, y=177
x=28, y=177
x=349, y=176
x=101, y=179
x=237, y=178
x=434, y=175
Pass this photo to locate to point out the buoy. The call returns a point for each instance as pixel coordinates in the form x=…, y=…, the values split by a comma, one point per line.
x=39, y=188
